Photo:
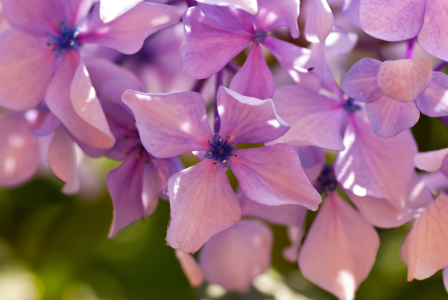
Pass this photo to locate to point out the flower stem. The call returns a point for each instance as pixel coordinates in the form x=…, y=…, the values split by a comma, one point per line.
x=440, y=66
x=410, y=50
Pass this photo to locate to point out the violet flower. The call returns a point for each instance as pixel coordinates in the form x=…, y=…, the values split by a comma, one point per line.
x=395, y=92
x=41, y=49
x=202, y=201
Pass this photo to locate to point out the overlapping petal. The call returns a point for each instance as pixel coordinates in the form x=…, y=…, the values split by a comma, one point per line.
x=273, y=175
x=350, y=9
x=433, y=101
x=339, y=250
x=432, y=161
x=202, y=204
x=251, y=6
x=232, y=258
x=433, y=37
x=319, y=21
x=340, y=41
x=170, y=124
x=273, y=14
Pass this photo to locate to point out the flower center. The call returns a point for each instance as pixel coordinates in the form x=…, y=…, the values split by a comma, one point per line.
x=327, y=180
x=66, y=40
x=260, y=35
x=350, y=106
x=221, y=150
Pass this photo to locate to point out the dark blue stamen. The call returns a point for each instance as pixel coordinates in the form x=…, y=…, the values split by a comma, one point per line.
x=260, y=35
x=67, y=40
x=221, y=150
x=350, y=106
x=327, y=180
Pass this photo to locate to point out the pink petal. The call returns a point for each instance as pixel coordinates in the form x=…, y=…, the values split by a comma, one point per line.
x=374, y=166
x=209, y=46
x=360, y=82
x=390, y=117
x=202, y=204
x=58, y=101
x=36, y=16
x=295, y=235
x=433, y=38
x=125, y=185
x=339, y=250
x=76, y=10
x=19, y=153
x=61, y=159
x=431, y=161
x=319, y=21
x=250, y=6
x=350, y=9
x=85, y=102
x=392, y=20
x=381, y=213
x=128, y=32
x=288, y=215
x=314, y=118
x=273, y=14
x=192, y=270
x=340, y=41
x=254, y=79
x=404, y=80
x=170, y=124
x=296, y=61
x=248, y=120
x=234, y=257
x=273, y=175
x=228, y=17
x=433, y=101
x=426, y=246
x=26, y=67
x=112, y=9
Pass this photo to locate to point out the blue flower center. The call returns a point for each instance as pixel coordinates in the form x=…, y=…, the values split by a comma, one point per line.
x=350, y=106
x=327, y=180
x=221, y=150
x=260, y=35
x=66, y=40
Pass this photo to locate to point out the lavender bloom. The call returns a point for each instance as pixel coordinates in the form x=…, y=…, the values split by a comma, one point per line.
x=41, y=49
x=395, y=92
x=202, y=201
x=406, y=19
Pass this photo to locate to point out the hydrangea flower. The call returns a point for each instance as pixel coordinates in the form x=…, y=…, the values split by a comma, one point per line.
x=406, y=19
x=41, y=50
x=202, y=201
x=395, y=92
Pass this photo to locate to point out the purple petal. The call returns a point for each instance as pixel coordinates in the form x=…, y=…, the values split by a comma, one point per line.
x=433, y=37
x=250, y=6
x=431, y=161
x=288, y=215
x=405, y=79
x=273, y=175
x=374, y=166
x=42, y=122
x=445, y=278
x=209, y=46
x=340, y=248
x=234, y=257
x=350, y=9
x=61, y=159
x=254, y=79
x=36, y=16
x=340, y=41
x=390, y=117
x=392, y=20
x=125, y=185
x=128, y=32
x=425, y=249
x=314, y=118
x=170, y=124
x=319, y=21
x=433, y=101
x=26, y=67
x=112, y=9
x=192, y=270
x=360, y=82
x=76, y=10
x=58, y=101
x=312, y=159
x=248, y=120
x=228, y=17
x=202, y=204
x=381, y=213
x=273, y=14
x=19, y=153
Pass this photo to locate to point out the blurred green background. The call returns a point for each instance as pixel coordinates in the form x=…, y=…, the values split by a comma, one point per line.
x=54, y=246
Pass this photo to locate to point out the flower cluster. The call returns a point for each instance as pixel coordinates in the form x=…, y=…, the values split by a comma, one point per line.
x=297, y=136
